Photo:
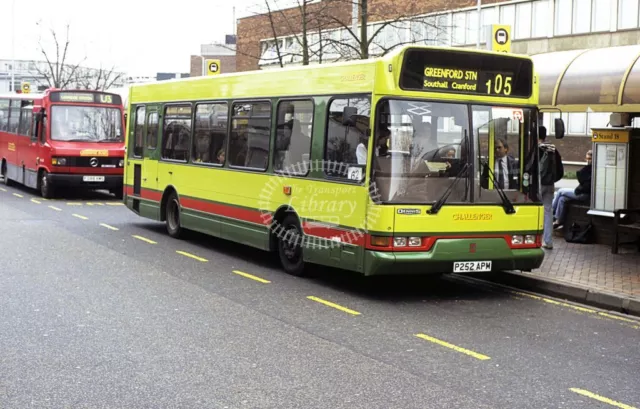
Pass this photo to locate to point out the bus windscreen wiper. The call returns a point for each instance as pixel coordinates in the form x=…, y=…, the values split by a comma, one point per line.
x=506, y=203
x=438, y=205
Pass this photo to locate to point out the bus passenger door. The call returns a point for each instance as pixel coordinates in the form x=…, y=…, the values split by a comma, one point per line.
x=134, y=158
x=151, y=155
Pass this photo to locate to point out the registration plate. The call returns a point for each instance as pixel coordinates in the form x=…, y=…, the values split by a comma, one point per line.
x=93, y=178
x=470, y=266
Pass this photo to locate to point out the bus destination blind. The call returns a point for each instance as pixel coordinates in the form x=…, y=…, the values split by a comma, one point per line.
x=467, y=73
x=86, y=97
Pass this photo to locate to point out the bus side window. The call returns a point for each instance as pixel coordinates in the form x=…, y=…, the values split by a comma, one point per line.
x=342, y=140
x=152, y=130
x=293, y=137
x=4, y=114
x=139, y=132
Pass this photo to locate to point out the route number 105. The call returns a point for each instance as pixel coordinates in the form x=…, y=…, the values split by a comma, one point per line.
x=499, y=85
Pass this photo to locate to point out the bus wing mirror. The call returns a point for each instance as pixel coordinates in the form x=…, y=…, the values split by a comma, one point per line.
x=559, y=128
x=347, y=115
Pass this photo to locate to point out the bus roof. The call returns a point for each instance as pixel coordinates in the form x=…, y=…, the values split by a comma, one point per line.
x=354, y=76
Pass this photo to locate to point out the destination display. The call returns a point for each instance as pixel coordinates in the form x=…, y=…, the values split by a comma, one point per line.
x=460, y=72
x=86, y=97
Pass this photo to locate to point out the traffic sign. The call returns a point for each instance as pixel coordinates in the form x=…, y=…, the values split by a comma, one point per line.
x=26, y=88
x=499, y=38
x=212, y=67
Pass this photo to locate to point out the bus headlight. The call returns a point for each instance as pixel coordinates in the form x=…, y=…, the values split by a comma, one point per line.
x=121, y=163
x=59, y=161
x=399, y=241
x=415, y=242
x=529, y=239
x=517, y=239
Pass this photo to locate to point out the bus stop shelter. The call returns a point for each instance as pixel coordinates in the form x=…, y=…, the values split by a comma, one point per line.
x=600, y=80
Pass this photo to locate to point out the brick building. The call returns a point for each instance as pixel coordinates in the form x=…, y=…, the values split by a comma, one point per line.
x=538, y=26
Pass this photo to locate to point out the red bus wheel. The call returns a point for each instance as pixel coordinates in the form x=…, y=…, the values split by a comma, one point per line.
x=46, y=190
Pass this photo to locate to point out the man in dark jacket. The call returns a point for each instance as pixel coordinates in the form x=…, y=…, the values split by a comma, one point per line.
x=581, y=193
x=551, y=171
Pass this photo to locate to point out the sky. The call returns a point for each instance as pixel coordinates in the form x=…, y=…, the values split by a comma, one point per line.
x=139, y=37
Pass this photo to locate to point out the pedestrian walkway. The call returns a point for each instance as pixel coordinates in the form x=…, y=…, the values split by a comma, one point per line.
x=594, y=266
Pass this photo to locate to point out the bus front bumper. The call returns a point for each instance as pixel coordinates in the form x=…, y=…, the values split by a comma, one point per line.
x=445, y=252
x=110, y=182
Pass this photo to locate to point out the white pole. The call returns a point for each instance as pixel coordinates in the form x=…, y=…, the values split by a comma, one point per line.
x=354, y=17
x=479, y=23
x=12, y=87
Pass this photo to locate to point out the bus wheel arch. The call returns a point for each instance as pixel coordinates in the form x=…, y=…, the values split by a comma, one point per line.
x=170, y=212
x=288, y=237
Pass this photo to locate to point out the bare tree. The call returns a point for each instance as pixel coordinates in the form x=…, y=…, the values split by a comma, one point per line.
x=359, y=43
x=98, y=79
x=57, y=71
x=301, y=25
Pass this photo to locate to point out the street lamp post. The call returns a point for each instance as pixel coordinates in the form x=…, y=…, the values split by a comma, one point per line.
x=12, y=86
x=479, y=23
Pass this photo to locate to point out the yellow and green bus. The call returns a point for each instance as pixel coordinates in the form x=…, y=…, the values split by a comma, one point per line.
x=380, y=166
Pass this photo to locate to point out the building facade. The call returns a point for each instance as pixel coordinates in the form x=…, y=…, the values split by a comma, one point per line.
x=537, y=26
x=34, y=72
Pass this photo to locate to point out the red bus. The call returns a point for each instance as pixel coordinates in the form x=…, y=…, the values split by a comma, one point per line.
x=62, y=138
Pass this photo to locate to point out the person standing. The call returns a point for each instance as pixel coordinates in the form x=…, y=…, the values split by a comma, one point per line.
x=551, y=171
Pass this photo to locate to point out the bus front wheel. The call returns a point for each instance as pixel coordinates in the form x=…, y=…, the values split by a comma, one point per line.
x=290, y=246
x=46, y=190
x=173, y=216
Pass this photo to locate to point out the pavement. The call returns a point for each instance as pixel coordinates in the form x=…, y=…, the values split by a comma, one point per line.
x=100, y=308
x=588, y=274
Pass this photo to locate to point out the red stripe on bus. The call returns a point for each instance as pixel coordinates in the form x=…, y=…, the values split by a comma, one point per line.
x=346, y=236
x=247, y=215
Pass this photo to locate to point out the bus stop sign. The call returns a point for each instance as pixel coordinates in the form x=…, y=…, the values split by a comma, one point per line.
x=213, y=67
x=499, y=38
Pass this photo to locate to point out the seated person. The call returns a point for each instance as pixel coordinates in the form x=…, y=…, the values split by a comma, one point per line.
x=220, y=156
x=361, y=151
x=581, y=193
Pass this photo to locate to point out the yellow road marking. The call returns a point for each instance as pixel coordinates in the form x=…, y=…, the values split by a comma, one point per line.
x=35, y=201
x=80, y=217
x=576, y=307
x=94, y=204
x=3, y=189
x=144, y=239
x=336, y=306
x=74, y=204
x=109, y=227
x=17, y=195
x=554, y=302
x=261, y=280
x=184, y=253
x=454, y=347
x=115, y=204
x=615, y=317
x=601, y=398
x=55, y=208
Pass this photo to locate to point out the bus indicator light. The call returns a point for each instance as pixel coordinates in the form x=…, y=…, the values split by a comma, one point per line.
x=286, y=190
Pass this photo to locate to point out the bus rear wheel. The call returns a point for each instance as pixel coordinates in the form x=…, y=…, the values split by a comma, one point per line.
x=173, y=216
x=290, y=246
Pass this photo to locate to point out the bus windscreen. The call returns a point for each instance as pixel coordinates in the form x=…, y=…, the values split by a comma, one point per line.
x=466, y=73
